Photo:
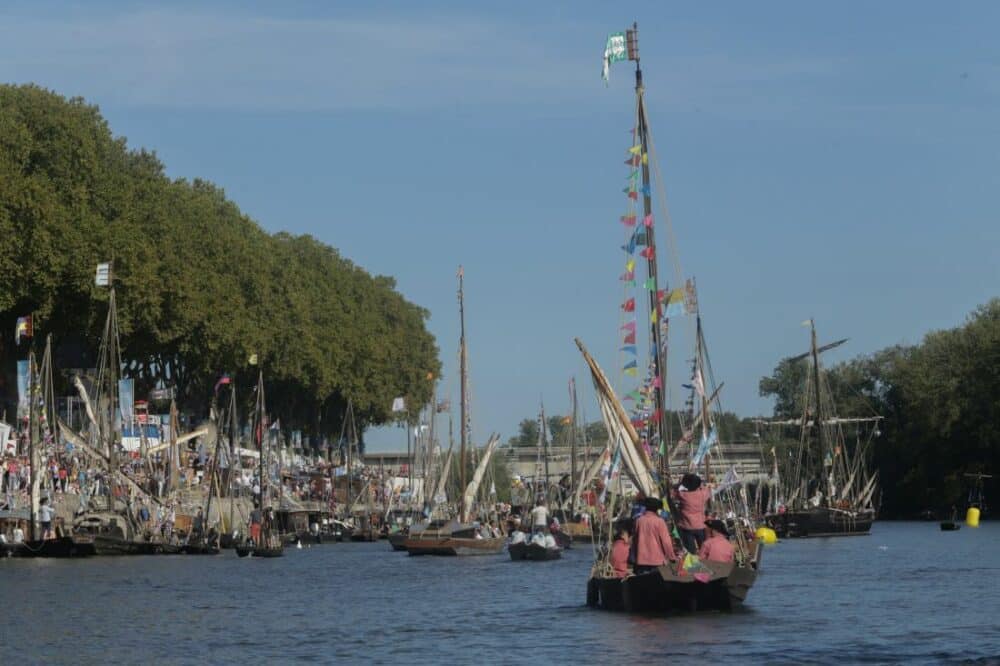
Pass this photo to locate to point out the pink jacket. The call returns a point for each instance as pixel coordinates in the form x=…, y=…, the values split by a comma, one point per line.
x=619, y=558
x=653, y=544
x=717, y=548
x=691, y=506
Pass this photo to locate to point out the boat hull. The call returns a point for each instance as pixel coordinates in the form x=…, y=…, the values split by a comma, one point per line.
x=244, y=551
x=664, y=590
x=819, y=522
x=61, y=547
x=532, y=552
x=453, y=546
x=950, y=526
x=398, y=541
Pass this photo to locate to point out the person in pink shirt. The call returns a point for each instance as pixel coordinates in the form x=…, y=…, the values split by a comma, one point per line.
x=692, y=496
x=620, y=548
x=652, y=545
x=717, y=547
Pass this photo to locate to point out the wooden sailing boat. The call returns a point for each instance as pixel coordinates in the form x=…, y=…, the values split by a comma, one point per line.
x=830, y=486
x=688, y=583
x=269, y=544
x=113, y=529
x=460, y=536
x=36, y=545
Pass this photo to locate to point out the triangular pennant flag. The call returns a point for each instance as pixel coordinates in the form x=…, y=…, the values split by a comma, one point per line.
x=629, y=326
x=661, y=294
x=629, y=283
x=633, y=161
x=629, y=339
x=628, y=277
x=657, y=382
x=633, y=174
x=629, y=305
x=652, y=316
x=645, y=158
x=628, y=220
x=635, y=149
x=648, y=220
x=630, y=246
x=630, y=349
x=645, y=190
x=630, y=265
x=633, y=194
x=649, y=252
x=632, y=372
x=650, y=284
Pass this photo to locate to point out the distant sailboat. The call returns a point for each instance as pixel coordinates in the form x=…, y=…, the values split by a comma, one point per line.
x=461, y=536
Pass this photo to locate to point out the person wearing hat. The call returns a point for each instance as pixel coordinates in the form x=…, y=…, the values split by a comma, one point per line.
x=652, y=544
x=691, y=496
x=716, y=547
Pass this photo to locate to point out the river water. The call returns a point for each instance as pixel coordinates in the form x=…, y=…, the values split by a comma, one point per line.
x=906, y=593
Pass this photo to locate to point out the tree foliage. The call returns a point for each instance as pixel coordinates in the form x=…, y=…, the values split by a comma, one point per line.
x=940, y=401
x=200, y=285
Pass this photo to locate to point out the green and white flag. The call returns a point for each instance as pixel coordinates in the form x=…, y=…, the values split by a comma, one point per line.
x=614, y=51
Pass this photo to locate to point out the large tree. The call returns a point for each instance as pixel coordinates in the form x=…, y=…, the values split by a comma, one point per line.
x=201, y=287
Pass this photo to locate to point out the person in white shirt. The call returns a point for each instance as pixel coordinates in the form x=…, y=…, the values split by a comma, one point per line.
x=18, y=534
x=45, y=515
x=539, y=517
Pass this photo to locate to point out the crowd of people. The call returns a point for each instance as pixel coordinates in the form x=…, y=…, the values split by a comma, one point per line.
x=643, y=540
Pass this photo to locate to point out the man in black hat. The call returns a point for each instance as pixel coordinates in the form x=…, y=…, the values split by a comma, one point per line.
x=716, y=547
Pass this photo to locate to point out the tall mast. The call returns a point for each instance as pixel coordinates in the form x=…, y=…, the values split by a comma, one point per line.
x=350, y=445
x=261, y=440
x=818, y=417
x=659, y=359
x=234, y=456
x=704, y=392
x=572, y=450
x=32, y=462
x=463, y=369
x=545, y=454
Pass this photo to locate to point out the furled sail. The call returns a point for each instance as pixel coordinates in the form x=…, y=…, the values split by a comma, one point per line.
x=477, y=477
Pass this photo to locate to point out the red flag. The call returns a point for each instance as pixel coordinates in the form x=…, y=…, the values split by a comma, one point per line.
x=633, y=195
x=629, y=305
x=648, y=220
x=633, y=161
x=648, y=252
x=629, y=339
x=628, y=220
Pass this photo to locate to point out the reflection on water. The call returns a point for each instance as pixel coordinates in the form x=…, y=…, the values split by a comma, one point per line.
x=907, y=592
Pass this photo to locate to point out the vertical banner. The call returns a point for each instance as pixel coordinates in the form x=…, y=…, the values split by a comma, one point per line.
x=22, y=389
x=126, y=402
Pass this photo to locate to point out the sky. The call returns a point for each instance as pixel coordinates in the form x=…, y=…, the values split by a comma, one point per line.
x=838, y=161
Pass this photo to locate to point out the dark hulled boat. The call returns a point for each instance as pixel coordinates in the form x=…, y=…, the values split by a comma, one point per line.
x=64, y=546
x=670, y=589
x=820, y=522
x=533, y=552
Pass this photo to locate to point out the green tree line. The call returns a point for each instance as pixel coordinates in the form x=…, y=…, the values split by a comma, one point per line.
x=940, y=400
x=200, y=286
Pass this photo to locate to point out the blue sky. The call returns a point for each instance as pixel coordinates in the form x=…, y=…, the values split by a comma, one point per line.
x=836, y=161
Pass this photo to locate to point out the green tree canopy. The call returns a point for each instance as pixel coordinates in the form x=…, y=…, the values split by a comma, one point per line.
x=200, y=285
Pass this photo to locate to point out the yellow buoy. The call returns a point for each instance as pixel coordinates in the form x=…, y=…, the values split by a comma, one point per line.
x=972, y=517
x=767, y=535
